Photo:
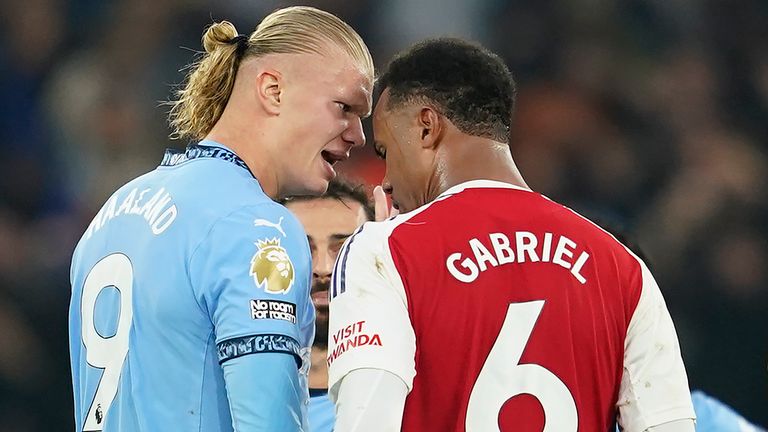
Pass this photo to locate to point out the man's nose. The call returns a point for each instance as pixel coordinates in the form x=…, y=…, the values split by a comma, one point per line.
x=322, y=264
x=354, y=133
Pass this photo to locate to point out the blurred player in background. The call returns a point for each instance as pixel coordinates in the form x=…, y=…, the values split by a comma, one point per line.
x=190, y=304
x=328, y=220
x=488, y=306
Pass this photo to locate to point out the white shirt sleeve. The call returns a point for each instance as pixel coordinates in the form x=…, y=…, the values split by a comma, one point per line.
x=654, y=387
x=370, y=400
x=369, y=325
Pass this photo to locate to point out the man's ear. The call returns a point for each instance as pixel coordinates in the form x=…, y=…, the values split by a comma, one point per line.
x=269, y=90
x=431, y=124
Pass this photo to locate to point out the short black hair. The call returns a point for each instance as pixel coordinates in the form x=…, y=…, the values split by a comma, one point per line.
x=340, y=189
x=468, y=84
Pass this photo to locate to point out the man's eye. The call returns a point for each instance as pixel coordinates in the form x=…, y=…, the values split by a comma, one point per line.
x=344, y=107
x=381, y=153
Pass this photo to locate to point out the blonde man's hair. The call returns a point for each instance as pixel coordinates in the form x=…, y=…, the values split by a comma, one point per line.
x=300, y=29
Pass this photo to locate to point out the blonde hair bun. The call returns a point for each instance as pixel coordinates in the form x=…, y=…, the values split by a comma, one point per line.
x=220, y=33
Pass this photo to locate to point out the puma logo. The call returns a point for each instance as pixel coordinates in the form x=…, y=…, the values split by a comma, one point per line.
x=266, y=223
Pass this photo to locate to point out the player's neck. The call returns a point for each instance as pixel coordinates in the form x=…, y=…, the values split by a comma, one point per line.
x=318, y=372
x=477, y=158
x=256, y=159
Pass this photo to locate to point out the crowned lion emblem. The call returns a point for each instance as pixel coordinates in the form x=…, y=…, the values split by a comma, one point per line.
x=271, y=267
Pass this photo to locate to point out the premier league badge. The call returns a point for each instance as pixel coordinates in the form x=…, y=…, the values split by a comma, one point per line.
x=271, y=267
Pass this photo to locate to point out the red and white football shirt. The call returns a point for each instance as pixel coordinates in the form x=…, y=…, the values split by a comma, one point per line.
x=503, y=310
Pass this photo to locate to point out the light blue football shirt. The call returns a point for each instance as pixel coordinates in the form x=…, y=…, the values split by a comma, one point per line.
x=190, y=306
x=322, y=412
x=715, y=416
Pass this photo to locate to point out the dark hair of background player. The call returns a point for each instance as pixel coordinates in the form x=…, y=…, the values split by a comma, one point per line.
x=341, y=189
x=466, y=83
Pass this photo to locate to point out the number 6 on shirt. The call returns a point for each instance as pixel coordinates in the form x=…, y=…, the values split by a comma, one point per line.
x=107, y=353
x=502, y=378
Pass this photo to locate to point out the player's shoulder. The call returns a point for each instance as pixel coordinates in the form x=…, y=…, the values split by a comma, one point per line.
x=217, y=199
x=216, y=184
x=599, y=235
x=608, y=251
x=373, y=236
x=218, y=192
x=366, y=255
x=261, y=218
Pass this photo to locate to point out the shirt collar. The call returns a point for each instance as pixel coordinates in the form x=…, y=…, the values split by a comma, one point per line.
x=212, y=143
x=203, y=149
x=477, y=184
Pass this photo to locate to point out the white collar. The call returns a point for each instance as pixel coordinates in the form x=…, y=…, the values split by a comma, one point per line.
x=479, y=184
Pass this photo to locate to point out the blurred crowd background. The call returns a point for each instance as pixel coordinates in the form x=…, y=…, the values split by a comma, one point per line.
x=649, y=115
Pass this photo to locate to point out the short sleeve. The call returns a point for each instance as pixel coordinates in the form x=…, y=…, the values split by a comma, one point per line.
x=654, y=387
x=251, y=275
x=369, y=323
